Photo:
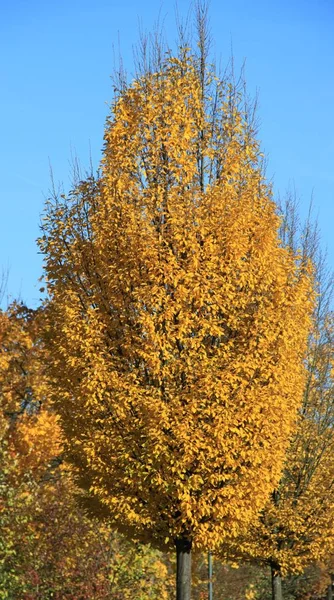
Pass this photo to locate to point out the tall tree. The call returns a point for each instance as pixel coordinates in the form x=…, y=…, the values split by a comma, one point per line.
x=178, y=322
x=295, y=528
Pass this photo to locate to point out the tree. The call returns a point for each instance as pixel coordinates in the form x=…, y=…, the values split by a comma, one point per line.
x=177, y=321
x=295, y=528
x=22, y=390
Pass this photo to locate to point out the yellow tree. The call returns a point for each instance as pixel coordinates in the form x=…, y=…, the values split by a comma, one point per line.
x=178, y=322
x=296, y=527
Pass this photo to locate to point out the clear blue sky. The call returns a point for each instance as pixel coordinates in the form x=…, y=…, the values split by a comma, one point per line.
x=56, y=61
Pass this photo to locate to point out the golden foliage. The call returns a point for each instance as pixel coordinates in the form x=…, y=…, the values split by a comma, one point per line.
x=178, y=322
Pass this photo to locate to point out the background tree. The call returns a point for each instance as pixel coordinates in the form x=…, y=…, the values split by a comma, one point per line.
x=22, y=390
x=295, y=529
x=178, y=322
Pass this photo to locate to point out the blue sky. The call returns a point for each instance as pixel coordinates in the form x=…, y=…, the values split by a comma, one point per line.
x=56, y=61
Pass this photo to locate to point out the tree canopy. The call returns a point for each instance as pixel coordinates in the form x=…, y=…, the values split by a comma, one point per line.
x=179, y=321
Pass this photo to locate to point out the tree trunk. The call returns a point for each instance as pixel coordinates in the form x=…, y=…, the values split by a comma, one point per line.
x=210, y=574
x=183, y=569
x=330, y=588
x=276, y=583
